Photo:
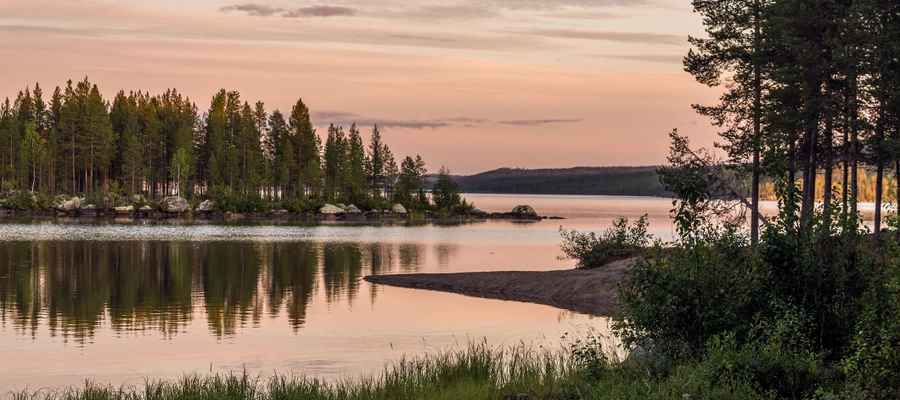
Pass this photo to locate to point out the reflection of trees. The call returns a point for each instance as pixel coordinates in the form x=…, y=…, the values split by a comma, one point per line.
x=230, y=275
x=379, y=257
x=341, y=270
x=445, y=253
x=75, y=283
x=76, y=286
x=292, y=278
x=411, y=256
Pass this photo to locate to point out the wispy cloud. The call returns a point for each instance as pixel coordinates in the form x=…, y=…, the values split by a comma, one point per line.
x=657, y=58
x=419, y=37
x=253, y=9
x=538, y=122
x=320, y=11
x=344, y=118
x=301, y=12
x=612, y=36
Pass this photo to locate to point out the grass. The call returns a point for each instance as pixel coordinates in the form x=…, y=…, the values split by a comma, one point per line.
x=580, y=369
x=478, y=371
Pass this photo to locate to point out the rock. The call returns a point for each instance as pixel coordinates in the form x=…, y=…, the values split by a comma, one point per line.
x=69, y=205
x=138, y=198
x=230, y=215
x=145, y=208
x=398, y=208
x=477, y=212
x=330, y=209
x=206, y=206
x=341, y=206
x=124, y=210
x=173, y=204
x=88, y=207
x=524, y=210
x=351, y=208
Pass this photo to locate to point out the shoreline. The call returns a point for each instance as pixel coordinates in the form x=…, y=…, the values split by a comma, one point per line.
x=308, y=216
x=590, y=292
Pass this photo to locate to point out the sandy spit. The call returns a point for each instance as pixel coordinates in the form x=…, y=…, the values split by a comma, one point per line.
x=585, y=291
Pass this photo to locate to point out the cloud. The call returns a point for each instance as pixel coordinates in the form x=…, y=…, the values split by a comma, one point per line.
x=253, y=9
x=420, y=37
x=345, y=118
x=301, y=12
x=612, y=36
x=658, y=58
x=320, y=11
x=538, y=122
x=466, y=120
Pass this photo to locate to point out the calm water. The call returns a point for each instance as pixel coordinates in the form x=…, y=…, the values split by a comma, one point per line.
x=126, y=301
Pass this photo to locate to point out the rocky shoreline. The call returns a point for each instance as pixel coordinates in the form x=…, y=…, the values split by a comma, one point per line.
x=174, y=207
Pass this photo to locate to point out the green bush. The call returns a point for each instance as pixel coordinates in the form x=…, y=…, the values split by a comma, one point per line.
x=20, y=200
x=617, y=243
x=682, y=296
x=293, y=205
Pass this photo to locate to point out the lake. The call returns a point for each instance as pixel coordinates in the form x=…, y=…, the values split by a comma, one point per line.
x=120, y=302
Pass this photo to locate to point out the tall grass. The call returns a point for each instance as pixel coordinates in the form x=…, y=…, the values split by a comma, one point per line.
x=476, y=371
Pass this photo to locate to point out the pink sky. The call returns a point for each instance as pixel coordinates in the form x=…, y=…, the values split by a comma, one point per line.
x=473, y=85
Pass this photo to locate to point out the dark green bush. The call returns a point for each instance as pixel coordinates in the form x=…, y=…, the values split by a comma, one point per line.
x=293, y=205
x=617, y=243
x=20, y=200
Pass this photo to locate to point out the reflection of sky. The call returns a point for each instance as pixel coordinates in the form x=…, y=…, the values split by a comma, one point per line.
x=277, y=298
x=269, y=298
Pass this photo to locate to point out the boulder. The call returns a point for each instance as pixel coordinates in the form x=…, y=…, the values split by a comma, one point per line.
x=206, y=206
x=69, y=205
x=341, y=206
x=88, y=207
x=524, y=210
x=173, y=204
x=138, y=198
x=398, y=208
x=330, y=209
x=351, y=208
x=124, y=210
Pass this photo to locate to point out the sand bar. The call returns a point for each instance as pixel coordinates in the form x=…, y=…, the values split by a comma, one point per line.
x=585, y=291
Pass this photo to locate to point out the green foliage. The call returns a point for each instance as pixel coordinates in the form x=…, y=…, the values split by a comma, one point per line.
x=682, y=296
x=223, y=199
x=20, y=200
x=477, y=371
x=619, y=242
x=293, y=205
x=445, y=193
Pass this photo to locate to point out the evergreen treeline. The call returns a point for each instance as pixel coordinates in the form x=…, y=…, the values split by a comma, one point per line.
x=613, y=181
x=811, y=87
x=76, y=142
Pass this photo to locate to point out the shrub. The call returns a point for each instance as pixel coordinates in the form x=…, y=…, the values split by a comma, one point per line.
x=293, y=205
x=20, y=200
x=682, y=296
x=617, y=243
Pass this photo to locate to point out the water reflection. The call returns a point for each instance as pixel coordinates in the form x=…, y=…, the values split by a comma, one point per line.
x=75, y=287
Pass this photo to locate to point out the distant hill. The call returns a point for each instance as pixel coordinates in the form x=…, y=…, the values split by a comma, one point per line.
x=621, y=181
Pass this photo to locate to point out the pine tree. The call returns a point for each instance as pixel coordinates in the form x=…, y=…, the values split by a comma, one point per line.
x=734, y=49
x=308, y=150
x=445, y=194
x=357, y=192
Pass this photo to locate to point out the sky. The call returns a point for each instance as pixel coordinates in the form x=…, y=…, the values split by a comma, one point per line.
x=469, y=84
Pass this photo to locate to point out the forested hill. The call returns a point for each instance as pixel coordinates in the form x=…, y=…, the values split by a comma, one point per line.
x=621, y=181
